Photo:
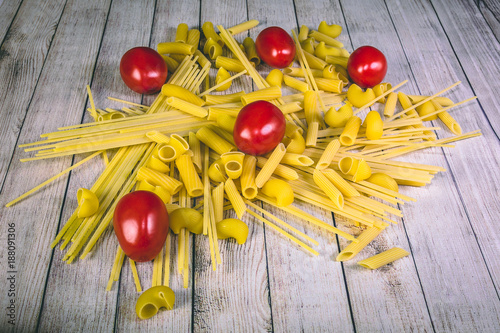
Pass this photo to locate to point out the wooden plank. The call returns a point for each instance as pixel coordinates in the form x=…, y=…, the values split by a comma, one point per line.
x=446, y=251
x=477, y=48
x=90, y=276
x=58, y=99
x=404, y=306
x=235, y=296
x=491, y=13
x=22, y=57
x=308, y=293
x=8, y=11
x=167, y=15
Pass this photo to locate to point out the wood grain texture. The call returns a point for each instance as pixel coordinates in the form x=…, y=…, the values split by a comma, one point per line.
x=491, y=13
x=8, y=11
x=235, y=296
x=90, y=276
x=308, y=292
x=429, y=67
x=476, y=48
x=162, y=23
x=22, y=56
x=37, y=218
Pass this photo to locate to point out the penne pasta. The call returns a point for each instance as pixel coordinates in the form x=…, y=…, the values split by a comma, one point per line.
x=266, y=94
x=340, y=183
x=295, y=83
x=175, y=48
x=172, y=185
x=214, y=141
x=350, y=132
x=209, y=32
x=270, y=165
x=181, y=33
x=351, y=250
x=328, y=154
x=193, y=38
x=249, y=189
x=329, y=189
x=235, y=198
x=384, y=258
x=247, y=25
x=190, y=178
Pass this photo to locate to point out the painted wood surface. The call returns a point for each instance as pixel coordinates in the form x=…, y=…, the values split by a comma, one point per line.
x=450, y=282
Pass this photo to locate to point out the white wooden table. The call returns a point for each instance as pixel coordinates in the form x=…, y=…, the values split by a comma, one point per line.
x=49, y=51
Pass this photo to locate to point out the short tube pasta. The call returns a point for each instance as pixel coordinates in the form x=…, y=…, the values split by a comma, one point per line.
x=172, y=90
x=209, y=32
x=328, y=188
x=195, y=147
x=222, y=99
x=212, y=49
x=303, y=33
x=266, y=94
x=172, y=64
x=233, y=65
x=179, y=144
x=214, y=141
x=390, y=104
x=202, y=60
x=235, y=198
x=330, y=85
x=281, y=170
x=340, y=183
x=328, y=154
x=250, y=50
x=221, y=76
x=320, y=37
x=247, y=25
x=190, y=178
x=158, y=137
x=187, y=107
x=172, y=185
x=296, y=159
x=175, y=48
x=384, y=258
x=193, y=38
x=295, y=83
x=315, y=62
x=181, y=33
x=270, y=165
x=247, y=178
x=350, y=132
x=226, y=122
x=351, y=250
x=233, y=162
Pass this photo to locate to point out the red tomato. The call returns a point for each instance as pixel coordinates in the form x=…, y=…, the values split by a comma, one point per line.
x=367, y=66
x=259, y=128
x=143, y=70
x=275, y=47
x=141, y=225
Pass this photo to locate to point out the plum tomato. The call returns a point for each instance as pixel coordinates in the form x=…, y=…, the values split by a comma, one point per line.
x=367, y=66
x=275, y=47
x=140, y=222
x=143, y=70
x=259, y=128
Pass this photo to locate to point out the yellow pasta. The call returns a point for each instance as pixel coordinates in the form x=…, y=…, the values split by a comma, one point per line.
x=217, y=172
x=290, y=107
x=425, y=109
x=179, y=144
x=312, y=134
x=390, y=104
x=380, y=89
x=298, y=72
x=363, y=171
x=235, y=198
x=195, y=147
x=374, y=125
x=314, y=62
x=303, y=33
x=328, y=154
x=295, y=83
x=329, y=189
x=280, y=190
x=250, y=50
x=308, y=45
x=214, y=141
x=447, y=119
x=384, y=258
x=340, y=183
x=275, y=78
x=154, y=177
x=88, y=203
x=270, y=166
x=338, y=118
x=164, y=195
x=221, y=76
x=266, y=94
x=233, y=162
x=155, y=163
x=348, y=165
x=181, y=33
x=338, y=61
x=350, y=131
x=218, y=199
x=212, y=49
x=187, y=107
x=296, y=159
x=172, y=90
x=320, y=37
x=384, y=180
x=233, y=65
x=222, y=99
x=248, y=187
x=202, y=60
x=322, y=50
x=226, y=122
x=175, y=48
x=443, y=101
x=247, y=25
x=158, y=137
x=189, y=176
x=364, y=239
x=209, y=32
x=357, y=97
x=193, y=38
x=332, y=30
x=330, y=85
